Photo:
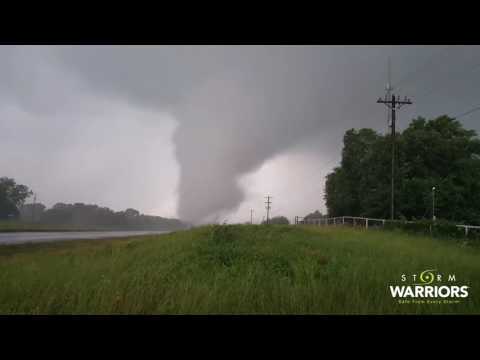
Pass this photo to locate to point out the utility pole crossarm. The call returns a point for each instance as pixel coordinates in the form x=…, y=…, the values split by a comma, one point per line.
x=393, y=102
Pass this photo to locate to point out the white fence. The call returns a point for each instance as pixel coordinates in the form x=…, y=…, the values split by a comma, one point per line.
x=358, y=221
x=342, y=220
x=466, y=227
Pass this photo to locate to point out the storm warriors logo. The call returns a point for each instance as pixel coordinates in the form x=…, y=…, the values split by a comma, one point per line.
x=429, y=284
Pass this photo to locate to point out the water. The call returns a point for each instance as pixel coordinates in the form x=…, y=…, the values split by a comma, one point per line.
x=38, y=237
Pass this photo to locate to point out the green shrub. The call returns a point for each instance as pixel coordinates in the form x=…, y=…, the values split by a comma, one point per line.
x=221, y=248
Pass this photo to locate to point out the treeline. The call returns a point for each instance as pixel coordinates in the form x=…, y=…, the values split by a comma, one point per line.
x=277, y=220
x=314, y=215
x=437, y=153
x=86, y=215
x=13, y=207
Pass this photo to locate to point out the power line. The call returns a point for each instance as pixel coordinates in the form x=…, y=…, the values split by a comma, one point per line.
x=434, y=89
x=390, y=88
x=331, y=162
x=460, y=75
x=468, y=112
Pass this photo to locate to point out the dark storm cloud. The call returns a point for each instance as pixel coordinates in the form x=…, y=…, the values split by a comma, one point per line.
x=237, y=107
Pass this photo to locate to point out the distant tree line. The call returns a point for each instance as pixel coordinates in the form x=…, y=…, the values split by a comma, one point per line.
x=314, y=215
x=278, y=220
x=436, y=153
x=13, y=207
x=87, y=215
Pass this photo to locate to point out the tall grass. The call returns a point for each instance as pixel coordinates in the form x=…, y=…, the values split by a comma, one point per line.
x=236, y=269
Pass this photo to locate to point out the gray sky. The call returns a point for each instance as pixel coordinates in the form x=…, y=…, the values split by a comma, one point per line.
x=205, y=132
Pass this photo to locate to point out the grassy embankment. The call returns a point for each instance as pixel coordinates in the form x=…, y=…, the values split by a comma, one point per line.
x=232, y=270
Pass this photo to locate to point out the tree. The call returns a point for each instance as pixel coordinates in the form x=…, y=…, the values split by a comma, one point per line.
x=438, y=152
x=279, y=220
x=132, y=212
x=346, y=187
x=12, y=197
x=315, y=215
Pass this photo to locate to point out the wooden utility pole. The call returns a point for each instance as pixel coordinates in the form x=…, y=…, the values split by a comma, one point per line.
x=33, y=207
x=268, y=207
x=251, y=216
x=393, y=104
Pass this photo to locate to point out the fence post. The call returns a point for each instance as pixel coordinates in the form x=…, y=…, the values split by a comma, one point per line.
x=354, y=222
x=343, y=220
x=366, y=223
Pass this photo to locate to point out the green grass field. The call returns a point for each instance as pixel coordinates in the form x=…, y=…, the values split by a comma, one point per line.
x=237, y=269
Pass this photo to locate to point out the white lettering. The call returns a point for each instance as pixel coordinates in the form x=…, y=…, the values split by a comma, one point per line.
x=429, y=291
x=454, y=290
x=444, y=294
x=419, y=291
x=408, y=292
x=464, y=291
x=397, y=291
